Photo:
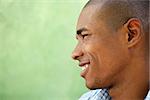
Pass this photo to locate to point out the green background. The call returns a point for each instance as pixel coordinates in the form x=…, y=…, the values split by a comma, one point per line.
x=36, y=41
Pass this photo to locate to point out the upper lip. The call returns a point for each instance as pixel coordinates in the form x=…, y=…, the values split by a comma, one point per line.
x=82, y=63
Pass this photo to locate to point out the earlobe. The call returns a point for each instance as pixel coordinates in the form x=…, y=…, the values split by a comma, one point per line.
x=134, y=33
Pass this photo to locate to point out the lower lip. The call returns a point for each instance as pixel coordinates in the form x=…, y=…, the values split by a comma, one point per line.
x=84, y=72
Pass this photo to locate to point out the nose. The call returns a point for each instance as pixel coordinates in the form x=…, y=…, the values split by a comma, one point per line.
x=77, y=52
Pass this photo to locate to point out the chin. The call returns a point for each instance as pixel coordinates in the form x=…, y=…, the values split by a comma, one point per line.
x=91, y=86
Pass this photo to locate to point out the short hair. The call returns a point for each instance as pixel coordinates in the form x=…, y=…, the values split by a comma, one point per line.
x=118, y=12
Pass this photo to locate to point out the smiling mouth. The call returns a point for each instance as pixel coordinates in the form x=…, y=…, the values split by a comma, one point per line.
x=84, y=66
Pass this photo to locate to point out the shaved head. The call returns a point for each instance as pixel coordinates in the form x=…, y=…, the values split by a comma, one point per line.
x=117, y=12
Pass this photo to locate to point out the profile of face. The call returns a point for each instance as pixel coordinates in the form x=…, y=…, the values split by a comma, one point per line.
x=102, y=52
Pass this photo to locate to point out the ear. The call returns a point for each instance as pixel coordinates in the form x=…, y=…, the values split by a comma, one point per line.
x=134, y=34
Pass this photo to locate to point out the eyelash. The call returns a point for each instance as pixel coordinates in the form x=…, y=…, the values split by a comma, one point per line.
x=84, y=35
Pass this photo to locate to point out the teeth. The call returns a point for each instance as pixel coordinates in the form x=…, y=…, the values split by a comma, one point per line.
x=84, y=67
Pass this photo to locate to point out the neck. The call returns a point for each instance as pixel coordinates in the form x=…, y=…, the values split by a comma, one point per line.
x=133, y=83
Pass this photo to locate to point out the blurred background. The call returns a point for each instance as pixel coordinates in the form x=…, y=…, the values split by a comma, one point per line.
x=36, y=41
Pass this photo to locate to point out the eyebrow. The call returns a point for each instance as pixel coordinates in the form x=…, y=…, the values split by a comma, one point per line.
x=79, y=31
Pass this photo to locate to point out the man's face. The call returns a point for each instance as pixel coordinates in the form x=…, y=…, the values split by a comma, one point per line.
x=100, y=52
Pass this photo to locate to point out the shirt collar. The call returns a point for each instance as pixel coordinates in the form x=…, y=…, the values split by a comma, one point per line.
x=148, y=96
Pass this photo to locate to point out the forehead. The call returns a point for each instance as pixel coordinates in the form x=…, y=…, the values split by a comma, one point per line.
x=89, y=12
x=86, y=17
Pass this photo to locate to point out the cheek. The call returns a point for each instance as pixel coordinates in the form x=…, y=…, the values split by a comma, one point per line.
x=111, y=63
x=96, y=54
x=107, y=59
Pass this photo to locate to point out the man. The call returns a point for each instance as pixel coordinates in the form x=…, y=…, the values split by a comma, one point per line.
x=113, y=49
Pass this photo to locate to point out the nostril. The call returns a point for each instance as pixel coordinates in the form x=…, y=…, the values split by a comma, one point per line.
x=76, y=55
x=77, y=52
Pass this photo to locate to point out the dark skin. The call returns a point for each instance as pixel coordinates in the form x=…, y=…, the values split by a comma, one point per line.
x=116, y=59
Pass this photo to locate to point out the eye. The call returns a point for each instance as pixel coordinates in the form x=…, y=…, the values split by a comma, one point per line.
x=84, y=35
